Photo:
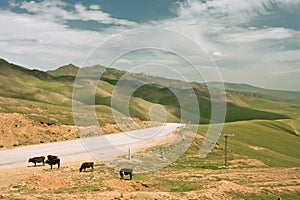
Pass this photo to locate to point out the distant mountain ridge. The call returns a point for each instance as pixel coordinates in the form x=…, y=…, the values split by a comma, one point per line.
x=252, y=89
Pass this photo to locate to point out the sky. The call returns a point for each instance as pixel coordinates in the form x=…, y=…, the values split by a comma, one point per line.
x=255, y=42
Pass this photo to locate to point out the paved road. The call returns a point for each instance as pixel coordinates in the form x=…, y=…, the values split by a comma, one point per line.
x=102, y=147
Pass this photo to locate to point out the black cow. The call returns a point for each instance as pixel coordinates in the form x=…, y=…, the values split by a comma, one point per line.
x=124, y=172
x=37, y=160
x=53, y=162
x=86, y=165
x=51, y=157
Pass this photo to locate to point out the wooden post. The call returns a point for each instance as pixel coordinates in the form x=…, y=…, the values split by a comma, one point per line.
x=129, y=153
x=225, y=150
x=226, y=153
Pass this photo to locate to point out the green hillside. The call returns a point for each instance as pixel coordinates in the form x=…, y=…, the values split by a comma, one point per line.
x=235, y=111
x=66, y=70
x=55, y=89
x=274, y=143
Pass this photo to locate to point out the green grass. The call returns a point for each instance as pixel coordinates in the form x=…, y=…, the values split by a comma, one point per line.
x=183, y=187
x=272, y=142
x=167, y=184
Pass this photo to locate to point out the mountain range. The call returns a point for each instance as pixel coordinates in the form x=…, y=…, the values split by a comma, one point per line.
x=54, y=89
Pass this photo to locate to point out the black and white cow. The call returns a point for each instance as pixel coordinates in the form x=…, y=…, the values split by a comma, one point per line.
x=125, y=171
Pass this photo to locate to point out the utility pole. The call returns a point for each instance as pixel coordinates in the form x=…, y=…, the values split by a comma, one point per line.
x=225, y=150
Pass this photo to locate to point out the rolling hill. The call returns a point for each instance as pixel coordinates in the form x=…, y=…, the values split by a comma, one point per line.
x=54, y=89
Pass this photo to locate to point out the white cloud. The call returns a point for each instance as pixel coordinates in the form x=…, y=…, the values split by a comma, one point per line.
x=254, y=35
x=229, y=11
x=12, y=3
x=244, y=54
x=290, y=57
x=219, y=54
x=55, y=10
x=123, y=62
x=37, y=43
x=285, y=72
x=40, y=38
x=94, y=7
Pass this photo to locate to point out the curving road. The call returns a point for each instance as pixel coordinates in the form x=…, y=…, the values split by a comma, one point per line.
x=102, y=147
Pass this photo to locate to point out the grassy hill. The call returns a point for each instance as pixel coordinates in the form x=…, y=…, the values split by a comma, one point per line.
x=55, y=89
x=66, y=70
x=273, y=142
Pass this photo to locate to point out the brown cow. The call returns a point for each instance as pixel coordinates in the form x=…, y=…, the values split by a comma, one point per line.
x=37, y=160
x=86, y=165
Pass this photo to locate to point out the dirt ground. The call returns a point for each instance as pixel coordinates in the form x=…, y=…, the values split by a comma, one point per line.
x=104, y=183
x=16, y=130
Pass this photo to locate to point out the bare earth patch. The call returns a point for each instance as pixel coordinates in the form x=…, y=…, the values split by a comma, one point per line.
x=16, y=130
x=126, y=185
x=45, y=182
x=256, y=148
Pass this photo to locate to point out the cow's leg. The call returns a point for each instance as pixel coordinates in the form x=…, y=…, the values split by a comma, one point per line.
x=34, y=163
x=58, y=164
x=92, y=168
x=51, y=166
x=121, y=174
x=130, y=176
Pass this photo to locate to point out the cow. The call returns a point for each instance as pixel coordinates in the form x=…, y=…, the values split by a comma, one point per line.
x=37, y=160
x=124, y=172
x=53, y=162
x=51, y=157
x=86, y=165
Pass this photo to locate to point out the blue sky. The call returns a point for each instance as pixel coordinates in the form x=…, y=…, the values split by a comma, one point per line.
x=255, y=42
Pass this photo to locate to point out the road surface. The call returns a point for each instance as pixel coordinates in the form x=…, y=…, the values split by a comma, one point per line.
x=101, y=147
